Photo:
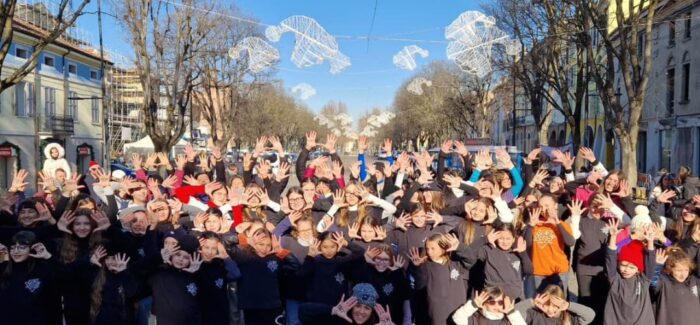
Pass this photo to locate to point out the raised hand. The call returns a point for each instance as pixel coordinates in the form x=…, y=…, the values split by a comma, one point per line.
x=576, y=208
x=339, y=239
x=624, y=189
x=446, y=146
x=169, y=182
x=44, y=213
x=194, y=264
x=40, y=252
x=200, y=219
x=314, y=247
x=101, y=219
x=361, y=144
x=71, y=185
x=212, y=187
x=613, y=230
x=65, y=220
x=190, y=154
x=339, y=199
x=539, y=178
x=355, y=170
x=310, y=140
x=371, y=253
x=480, y=298
x=661, y=256
x=535, y=216
x=534, y=154
x=337, y=169
x=435, y=217
x=540, y=301
x=216, y=154
x=331, y=140
x=504, y=158
x=493, y=236
x=282, y=171
x=46, y=181
x=508, y=305
x=520, y=246
x=387, y=146
x=666, y=196
x=559, y=303
x=461, y=149
x=136, y=161
x=452, y=181
x=19, y=183
x=399, y=263
x=97, y=256
x=403, y=221
x=451, y=241
x=121, y=261
x=167, y=251
x=259, y=146
x=415, y=256
x=277, y=145
x=383, y=314
x=353, y=231
x=150, y=161
x=379, y=233
x=343, y=307
x=587, y=154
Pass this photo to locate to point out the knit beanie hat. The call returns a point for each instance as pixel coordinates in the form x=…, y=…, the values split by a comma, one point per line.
x=633, y=253
x=188, y=244
x=24, y=237
x=641, y=218
x=365, y=294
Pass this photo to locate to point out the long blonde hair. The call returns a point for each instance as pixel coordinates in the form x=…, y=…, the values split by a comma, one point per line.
x=554, y=290
x=344, y=217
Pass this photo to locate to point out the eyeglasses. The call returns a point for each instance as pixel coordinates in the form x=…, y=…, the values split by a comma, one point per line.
x=495, y=302
x=19, y=247
x=298, y=199
x=382, y=259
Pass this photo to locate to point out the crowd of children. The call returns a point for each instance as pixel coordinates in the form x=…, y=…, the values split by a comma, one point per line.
x=398, y=241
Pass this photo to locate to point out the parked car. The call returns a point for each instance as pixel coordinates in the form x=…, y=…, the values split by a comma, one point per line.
x=119, y=166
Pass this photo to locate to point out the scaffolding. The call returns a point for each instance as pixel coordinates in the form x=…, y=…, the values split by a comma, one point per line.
x=124, y=99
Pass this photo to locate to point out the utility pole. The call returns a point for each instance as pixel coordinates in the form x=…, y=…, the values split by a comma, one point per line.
x=106, y=147
x=514, y=109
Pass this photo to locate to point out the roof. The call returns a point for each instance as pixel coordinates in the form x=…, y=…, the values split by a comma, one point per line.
x=36, y=32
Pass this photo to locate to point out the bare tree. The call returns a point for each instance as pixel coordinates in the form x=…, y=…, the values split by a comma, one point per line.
x=467, y=104
x=620, y=51
x=225, y=84
x=167, y=41
x=64, y=18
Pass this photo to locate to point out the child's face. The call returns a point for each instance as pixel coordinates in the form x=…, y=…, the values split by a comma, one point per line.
x=329, y=249
x=551, y=309
x=262, y=246
x=627, y=269
x=382, y=262
x=169, y=242
x=27, y=216
x=506, y=183
x=361, y=313
x=434, y=251
x=54, y=153
x=611, y=183
x=213, y=223
x=220, y=196
x=140, y=224
x=478, y=213
x=494, y=305
x=180, y=259
x=418, y=219
x=209, y=249
x=82, y=227
x=305, y=230
x=19, y=252
x=60, y=176
x=555, y=185
x=688, y=215
x=505, y=242
x=110, y=263
x=680, y=272
x=367, y=233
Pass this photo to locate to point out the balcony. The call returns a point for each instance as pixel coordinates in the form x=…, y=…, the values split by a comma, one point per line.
x=60, y=124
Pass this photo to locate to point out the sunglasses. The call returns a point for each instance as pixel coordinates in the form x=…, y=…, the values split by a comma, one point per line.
x=495, y=302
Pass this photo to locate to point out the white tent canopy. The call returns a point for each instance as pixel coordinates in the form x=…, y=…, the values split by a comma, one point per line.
x=145, y=146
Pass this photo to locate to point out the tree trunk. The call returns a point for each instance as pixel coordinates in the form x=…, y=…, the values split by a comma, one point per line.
x=628, y=144
x=543, y=133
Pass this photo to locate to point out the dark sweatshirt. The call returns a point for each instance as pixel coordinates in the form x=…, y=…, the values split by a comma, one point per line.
x=446, y=287
x=27, y=292
x=175, y=297
x=118, y=293
x=212, y=280
x=258, y=287
x=628, y=300
x=503, y=269
x=591, y=246
x=392, y=287
x=327, y=278
x=676, y=302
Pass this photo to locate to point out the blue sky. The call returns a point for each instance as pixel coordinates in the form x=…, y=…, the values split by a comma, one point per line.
x=372, y=79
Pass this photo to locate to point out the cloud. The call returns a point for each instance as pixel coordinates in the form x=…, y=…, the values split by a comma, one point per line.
x=304, y=91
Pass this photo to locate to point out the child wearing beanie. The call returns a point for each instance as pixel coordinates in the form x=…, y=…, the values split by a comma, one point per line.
x=629, y=300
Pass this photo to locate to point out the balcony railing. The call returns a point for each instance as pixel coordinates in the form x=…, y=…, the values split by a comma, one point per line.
x=60, y=124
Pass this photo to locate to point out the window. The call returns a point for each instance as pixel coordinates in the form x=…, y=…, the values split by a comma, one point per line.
x=49, y=101
x=72, y=68
x=49, y=61
x=685, y=86
x=640, y=44
x=688, y=24
x=93, y=75
x=72, y=103
x=21, y=52
x=671, y=33
x=24, y=99
x=95, y=108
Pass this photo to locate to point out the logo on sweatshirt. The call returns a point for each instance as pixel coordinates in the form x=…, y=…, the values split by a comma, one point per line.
x=32, y=284
x=219, y=283
x=339, y=277
x=605, y=231
x=192, y=289
x=638, y=291
x=388, y=289
x=516, y=265
x=141, y=252
x=454, y=274
x=272, y=265
x=544, y=236
x=694, y=290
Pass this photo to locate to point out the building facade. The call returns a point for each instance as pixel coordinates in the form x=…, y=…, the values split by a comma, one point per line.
x=60, y=101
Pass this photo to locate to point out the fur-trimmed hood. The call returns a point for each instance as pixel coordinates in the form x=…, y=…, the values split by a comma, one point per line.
x=47, y=150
